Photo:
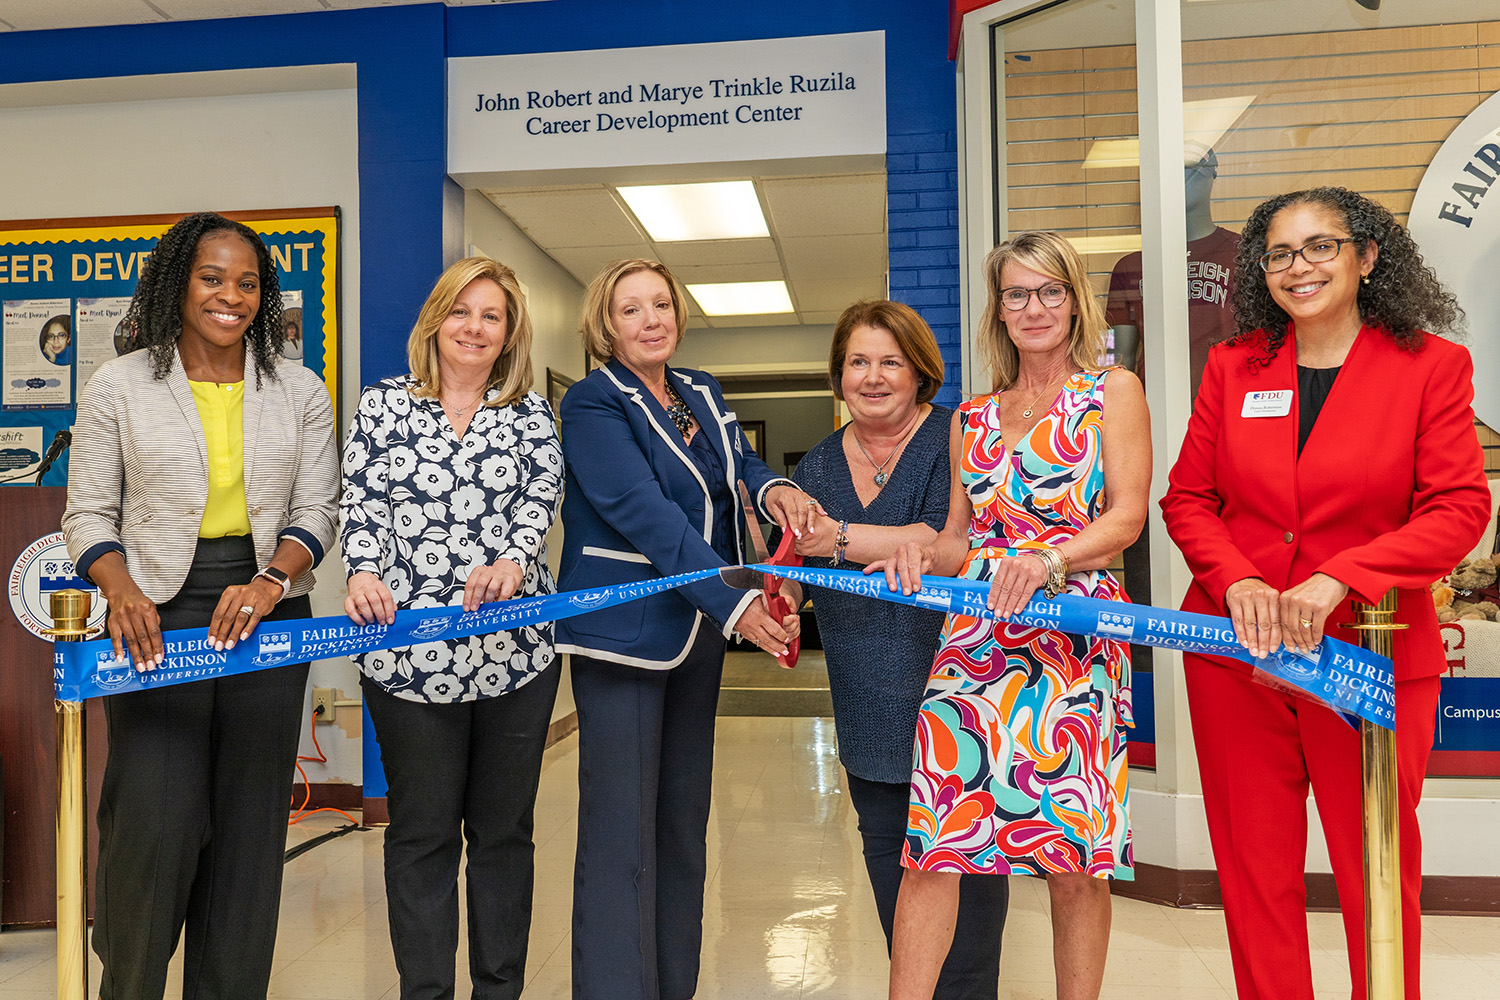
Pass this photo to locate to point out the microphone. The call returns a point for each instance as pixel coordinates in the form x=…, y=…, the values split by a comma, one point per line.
x=60, y=442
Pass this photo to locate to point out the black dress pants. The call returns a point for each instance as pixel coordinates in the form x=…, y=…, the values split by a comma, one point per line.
x=972, y=968
x=645, y=774
x=193, y=811
x=460, y=772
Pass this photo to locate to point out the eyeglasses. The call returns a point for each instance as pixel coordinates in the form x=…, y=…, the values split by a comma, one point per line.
x=1316, y=252
x=1051, y=296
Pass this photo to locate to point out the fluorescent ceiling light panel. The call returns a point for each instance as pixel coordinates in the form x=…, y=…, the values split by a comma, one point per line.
x=722, y=210
x=742, y=298
x=1203, y=122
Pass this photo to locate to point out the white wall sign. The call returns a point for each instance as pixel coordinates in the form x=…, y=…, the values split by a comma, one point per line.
x=1455, y=218
x=100, y=333
x=20, y=454
x=822, y=95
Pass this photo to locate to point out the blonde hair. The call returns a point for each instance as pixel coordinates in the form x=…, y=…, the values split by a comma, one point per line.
x=512, y=369
x=1050, y=254
x=598, y=332
x=912, y=335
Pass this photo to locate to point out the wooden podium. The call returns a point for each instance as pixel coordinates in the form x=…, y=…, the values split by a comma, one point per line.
x=28, y=730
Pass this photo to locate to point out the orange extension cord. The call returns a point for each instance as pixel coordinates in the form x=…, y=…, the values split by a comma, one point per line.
x=301, y=812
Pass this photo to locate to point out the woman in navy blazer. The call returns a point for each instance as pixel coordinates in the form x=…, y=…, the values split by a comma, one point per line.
x=654, y=459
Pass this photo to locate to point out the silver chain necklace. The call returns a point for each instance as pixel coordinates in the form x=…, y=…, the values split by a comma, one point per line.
x=473, y=403
x=880, y=478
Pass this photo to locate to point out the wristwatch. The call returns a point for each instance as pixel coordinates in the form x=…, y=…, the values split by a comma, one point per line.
x=277, y=577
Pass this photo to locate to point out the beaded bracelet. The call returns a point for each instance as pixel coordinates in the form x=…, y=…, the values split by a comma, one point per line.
x=841, y=543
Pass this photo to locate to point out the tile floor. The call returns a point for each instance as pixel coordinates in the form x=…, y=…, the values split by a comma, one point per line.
x=788, y=912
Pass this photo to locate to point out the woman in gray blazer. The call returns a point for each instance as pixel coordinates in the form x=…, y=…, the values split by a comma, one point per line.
x=201, y=492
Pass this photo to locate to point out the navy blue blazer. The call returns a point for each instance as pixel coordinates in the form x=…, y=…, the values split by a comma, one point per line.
x=635, y=507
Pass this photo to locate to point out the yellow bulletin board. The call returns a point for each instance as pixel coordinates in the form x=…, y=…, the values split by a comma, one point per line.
x=79, y=274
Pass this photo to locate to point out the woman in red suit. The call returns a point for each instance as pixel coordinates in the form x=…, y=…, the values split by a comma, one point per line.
x=1331, y=456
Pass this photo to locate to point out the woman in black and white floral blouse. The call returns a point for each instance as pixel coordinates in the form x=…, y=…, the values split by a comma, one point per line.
x=452, y=476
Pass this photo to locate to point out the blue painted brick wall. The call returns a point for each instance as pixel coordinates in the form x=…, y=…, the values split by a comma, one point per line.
x=922, y=210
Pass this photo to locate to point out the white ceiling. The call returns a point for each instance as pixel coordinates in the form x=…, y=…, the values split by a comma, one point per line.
x=33, y=15
x=828, y=240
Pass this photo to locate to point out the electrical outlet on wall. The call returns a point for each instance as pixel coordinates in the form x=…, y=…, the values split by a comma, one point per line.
x=322, y=698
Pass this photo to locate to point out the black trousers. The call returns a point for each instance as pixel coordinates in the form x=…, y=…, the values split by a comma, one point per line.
x=463, y=771
x=645, y=774
x=193, y=811
x=972, y=968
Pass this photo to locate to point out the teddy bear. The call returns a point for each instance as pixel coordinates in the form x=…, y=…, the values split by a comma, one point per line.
x=1468, y=611
x=1473, y=574
x=1467, y=594
x=1442, y=599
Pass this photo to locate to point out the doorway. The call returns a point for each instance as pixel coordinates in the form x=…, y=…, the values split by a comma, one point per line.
x=824, y=240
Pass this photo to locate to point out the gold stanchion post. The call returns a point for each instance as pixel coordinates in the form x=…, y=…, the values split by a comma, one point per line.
x=70, y=615
x=1383, y=957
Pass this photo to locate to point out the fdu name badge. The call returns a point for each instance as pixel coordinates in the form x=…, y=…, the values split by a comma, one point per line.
x=1267, y=403
x=42, y=569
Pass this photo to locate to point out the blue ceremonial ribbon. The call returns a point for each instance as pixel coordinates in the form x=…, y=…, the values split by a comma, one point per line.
x=88, y=669
x=1345, y=677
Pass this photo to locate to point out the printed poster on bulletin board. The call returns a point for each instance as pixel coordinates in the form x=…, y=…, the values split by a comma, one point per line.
x=65, y=285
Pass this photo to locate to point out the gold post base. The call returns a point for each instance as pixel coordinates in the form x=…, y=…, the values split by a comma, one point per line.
x=1383, y=955
x=70, y=615
x=72, y=854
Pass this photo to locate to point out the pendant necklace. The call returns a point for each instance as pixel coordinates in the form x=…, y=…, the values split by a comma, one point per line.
x=1026, y=413
x=880, y=478
x=473, y=403
x=678, y=411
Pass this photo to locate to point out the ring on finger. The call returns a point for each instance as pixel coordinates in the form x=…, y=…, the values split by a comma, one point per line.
x=1305, y=622
x=247, y=609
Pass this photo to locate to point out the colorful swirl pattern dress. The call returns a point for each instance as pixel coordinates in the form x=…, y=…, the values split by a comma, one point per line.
x=1019, y=762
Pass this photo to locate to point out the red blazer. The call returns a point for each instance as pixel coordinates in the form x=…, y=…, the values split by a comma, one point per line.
x=1388, y=492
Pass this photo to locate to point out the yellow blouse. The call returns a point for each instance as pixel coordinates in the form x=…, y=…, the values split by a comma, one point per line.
x=221, y=408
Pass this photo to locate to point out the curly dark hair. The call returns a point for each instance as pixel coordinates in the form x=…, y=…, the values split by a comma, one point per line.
x=155, y=314
x=1403, y=296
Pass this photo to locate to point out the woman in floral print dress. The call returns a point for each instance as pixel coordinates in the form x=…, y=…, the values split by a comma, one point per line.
x=452, y=477
x=1019, y=764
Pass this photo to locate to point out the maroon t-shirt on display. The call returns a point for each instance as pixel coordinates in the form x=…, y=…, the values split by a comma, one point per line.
x=1210, y=312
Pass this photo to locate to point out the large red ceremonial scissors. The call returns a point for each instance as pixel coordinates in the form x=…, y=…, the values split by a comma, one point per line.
x=786, y=555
